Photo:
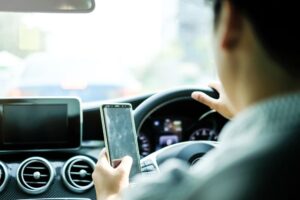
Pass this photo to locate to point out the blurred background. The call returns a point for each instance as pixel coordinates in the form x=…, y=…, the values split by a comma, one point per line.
x=123, y=48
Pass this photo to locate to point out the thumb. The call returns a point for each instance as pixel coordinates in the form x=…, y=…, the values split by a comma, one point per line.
x=205, y=99
x=125, y=165
x=103, y=160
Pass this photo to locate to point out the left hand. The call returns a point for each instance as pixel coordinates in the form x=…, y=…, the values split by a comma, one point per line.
x=221, y=105
x=109, y=182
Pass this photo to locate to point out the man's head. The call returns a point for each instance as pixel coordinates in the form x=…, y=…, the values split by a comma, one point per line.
x=257, y=48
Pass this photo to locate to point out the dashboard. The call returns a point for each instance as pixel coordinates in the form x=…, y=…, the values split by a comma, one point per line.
x=64, y=172
x=179, y=121
x=40, y=149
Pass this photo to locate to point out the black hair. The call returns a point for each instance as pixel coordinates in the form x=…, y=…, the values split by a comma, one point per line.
x=276, y=25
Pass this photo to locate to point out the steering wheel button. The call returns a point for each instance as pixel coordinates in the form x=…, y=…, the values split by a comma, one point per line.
x=148, y=162
x=150, y=168
x=143, y=164
x=144, y=170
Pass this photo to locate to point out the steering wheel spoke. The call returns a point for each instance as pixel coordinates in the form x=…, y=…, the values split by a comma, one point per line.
x=189, y=152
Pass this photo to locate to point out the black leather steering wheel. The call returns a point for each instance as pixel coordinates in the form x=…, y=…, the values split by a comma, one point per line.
x=190, y=151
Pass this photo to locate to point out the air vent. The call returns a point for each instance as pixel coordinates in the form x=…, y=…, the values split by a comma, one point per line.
x=35, y=175
x=3, y=176
x=77, y=173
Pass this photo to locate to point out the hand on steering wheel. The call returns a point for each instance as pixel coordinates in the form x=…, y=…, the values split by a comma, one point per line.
x=189, y=151
x=221, y=104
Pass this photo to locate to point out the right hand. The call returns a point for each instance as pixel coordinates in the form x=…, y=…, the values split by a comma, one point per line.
x=221, y=105
x=110, y=182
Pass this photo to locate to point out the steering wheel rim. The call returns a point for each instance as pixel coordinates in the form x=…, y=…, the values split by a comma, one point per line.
x=156, y=101
x=190, y=151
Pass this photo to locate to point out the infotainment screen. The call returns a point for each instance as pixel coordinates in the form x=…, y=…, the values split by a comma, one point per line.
x=30, y=124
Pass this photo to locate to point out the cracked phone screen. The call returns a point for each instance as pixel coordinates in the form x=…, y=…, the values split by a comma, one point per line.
x=121, y=136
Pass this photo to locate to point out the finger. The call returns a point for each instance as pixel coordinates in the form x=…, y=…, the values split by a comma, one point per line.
x=125, y=165
x=205, y=99
x=102, y=153
x=216, y=86
x=103, y=160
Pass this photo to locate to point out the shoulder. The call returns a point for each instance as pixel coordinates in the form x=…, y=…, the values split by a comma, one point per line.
x=267, y=169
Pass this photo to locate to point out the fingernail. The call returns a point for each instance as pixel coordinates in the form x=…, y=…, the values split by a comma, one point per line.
x=128, y=157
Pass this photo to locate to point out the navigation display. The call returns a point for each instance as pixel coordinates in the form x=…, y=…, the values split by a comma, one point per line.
x=29, y=124
x=40, y=124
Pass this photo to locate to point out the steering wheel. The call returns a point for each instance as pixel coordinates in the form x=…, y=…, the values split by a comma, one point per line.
x=190, y=151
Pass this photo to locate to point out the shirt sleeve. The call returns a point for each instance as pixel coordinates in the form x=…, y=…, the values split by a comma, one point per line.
x=174, y=182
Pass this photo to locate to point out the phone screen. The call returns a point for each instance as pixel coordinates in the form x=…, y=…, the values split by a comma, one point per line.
x=121, y=135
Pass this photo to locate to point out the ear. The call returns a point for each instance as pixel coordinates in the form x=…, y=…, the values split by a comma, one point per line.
x=232, y=24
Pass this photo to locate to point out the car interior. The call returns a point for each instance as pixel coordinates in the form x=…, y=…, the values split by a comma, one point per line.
x=49, y=145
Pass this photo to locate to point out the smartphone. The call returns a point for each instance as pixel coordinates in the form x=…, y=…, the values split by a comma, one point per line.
x=120, y=135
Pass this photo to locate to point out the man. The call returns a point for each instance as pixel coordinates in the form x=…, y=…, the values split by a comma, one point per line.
x=257, y=52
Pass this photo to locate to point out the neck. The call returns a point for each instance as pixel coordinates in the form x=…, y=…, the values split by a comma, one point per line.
x=266, y=89
x=262, y=80
x=257, y=76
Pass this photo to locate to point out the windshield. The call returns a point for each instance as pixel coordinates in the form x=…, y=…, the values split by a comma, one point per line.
x=123, y=48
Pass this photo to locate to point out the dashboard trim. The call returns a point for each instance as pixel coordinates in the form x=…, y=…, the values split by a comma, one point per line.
x=57, y=199
x=6, y=176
